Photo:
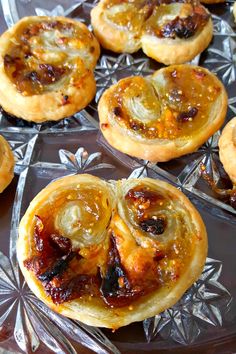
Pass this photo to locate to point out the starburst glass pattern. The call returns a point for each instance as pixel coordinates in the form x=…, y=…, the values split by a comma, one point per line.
x=221, y=59
x=81, y=161
x=22, y=147
x=232, y=105
x=205, y=302
x=78, y=122
x=59, y=10
x=221, y=27
x=140, y=172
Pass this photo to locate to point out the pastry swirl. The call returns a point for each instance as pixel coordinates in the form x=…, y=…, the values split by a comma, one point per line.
x=163, y=116
x=110, y=253
x=6, y=164
x=227, y=149
x=46, y=68
x=171, y=32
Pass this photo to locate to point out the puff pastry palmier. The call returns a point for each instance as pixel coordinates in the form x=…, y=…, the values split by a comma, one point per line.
x=110, y=253
x=227, y=149
x=163, y=116
x=46, y=68
x=171, y=32
x=6, y=164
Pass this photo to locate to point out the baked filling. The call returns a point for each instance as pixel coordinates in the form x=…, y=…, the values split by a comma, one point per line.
x=164, y=19
x=173, y=104
x=113, y=241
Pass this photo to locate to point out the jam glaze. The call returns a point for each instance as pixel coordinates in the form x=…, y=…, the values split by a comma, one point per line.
x=41, y=55
x=191, y=19
x=171, y=105
x=119, y=269
x=131, y=14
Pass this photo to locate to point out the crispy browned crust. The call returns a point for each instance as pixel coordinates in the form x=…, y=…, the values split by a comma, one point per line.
x=227, y=149
x=6, y=164
x=48, y=105
x=93, y=311
x=178, y=51
x=158, y=150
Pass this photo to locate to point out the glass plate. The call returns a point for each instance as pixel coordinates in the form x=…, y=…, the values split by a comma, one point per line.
x=204, y=320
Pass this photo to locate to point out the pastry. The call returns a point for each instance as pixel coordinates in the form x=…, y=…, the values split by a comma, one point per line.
x=169, y=32
x=163, y=116
x=6, y=164
x=110, y=253
x=227, y=149
x=46, y=68
x=234, y=11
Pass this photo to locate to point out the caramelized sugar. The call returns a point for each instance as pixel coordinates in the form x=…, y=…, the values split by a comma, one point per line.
x=130, y=14
x=179, y=108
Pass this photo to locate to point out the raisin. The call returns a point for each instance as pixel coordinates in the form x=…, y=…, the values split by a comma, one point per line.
x=187, y=116
x=63, y=243
x=153, y=226
x=143, y=196
x=117, y=111
x=50, y=73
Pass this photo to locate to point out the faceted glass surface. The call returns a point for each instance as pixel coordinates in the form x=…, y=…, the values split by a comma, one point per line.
x=205, y=318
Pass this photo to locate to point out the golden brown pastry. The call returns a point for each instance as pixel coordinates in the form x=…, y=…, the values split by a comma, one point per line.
x=163, y=116
x=46, y=68
x=227, y=149
x=234, y=11
x=6, y=164
x=110, y=253
x=167, y=31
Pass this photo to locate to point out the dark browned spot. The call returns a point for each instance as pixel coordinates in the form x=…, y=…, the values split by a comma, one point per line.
x=117, y=111
x=187, y=116
x=143, y=195
x=65, y=100
x=104, y=125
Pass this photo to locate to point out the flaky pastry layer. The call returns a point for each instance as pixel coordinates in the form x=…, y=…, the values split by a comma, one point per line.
x=6, y=164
